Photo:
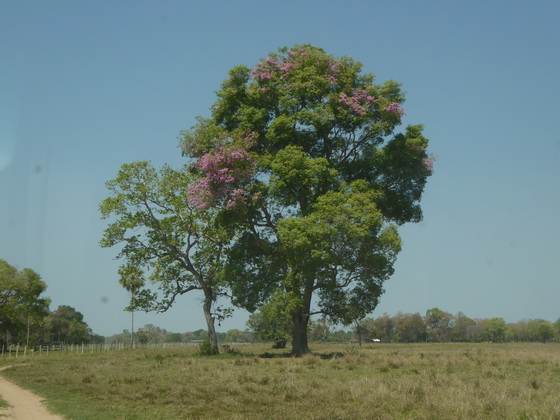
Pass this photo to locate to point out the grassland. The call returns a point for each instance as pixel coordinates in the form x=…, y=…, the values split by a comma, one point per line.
x=377, y=381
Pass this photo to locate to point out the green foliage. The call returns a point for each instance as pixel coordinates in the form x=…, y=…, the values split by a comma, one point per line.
x=332, y=179
x=21, y=304
x=206, y=349
x=238, y=336
x=461, y=326
x=495, y=330
x=67, y=325
x=540, y=330
x=163, y=239
x=273, y=321
x=150, y=334
x=174, y=338
x=410, y=328
x=439, y=325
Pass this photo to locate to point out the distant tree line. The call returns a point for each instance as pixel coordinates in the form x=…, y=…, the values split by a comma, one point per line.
x=272, y=323
x=25, y=317
x=440, y=326
x=150, y=334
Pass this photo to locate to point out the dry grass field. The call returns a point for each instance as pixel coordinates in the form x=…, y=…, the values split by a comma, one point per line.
x=375, y=381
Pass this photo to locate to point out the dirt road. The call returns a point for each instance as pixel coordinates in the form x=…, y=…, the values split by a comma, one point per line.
x=24, y=404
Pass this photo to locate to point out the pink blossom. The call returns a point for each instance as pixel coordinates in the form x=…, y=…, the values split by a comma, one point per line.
x=223, y=171
x=358, y=101
x=237, y=197
x=428, y=164
x=333, y=67
x=395, y=108
x=287, y=67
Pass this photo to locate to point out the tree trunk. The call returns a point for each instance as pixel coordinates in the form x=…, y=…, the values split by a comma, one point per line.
x=299, y=334
x=207, y=307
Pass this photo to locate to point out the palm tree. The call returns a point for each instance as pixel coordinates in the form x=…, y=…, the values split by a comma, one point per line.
x=132, y=279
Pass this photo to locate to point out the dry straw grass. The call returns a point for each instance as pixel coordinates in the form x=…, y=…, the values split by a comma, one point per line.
x=429, y=381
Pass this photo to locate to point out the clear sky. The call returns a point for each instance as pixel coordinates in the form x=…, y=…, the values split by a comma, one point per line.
x=88, y=86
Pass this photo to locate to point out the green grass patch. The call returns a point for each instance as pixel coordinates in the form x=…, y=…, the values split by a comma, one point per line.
x=385, y=381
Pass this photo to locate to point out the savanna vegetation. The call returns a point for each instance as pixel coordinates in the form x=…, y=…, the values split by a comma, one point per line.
x=334, y=381
x=288, y=205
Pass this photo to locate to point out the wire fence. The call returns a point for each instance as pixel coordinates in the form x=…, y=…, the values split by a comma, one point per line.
x=17, y=351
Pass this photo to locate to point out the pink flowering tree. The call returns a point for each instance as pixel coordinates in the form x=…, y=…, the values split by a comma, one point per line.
x=317, y=194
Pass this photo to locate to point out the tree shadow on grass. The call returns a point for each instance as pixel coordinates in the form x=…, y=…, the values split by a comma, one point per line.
x=268, y=355
x=285, y=355
x=330, y=355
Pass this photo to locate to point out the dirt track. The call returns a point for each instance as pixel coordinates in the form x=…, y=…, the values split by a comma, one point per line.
x=24, y=404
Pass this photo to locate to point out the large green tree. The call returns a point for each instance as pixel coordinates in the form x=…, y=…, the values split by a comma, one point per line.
x=164, y=238
x=301, y=154
x=21, y=305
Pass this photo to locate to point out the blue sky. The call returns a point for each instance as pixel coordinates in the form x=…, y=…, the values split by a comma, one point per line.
x=88, y=86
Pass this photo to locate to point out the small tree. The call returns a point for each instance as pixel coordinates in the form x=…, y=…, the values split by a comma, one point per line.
x=132, y=280
x=273, y=321
x=162, y=234
x=363, y=329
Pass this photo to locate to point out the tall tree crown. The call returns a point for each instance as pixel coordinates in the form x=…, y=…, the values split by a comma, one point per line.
x=301, y=156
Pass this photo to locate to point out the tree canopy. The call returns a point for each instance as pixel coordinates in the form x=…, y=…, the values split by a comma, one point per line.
x=164, y=238
x=302, y=159
x=25, y=316
x=21, y=301
x=67, y=325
